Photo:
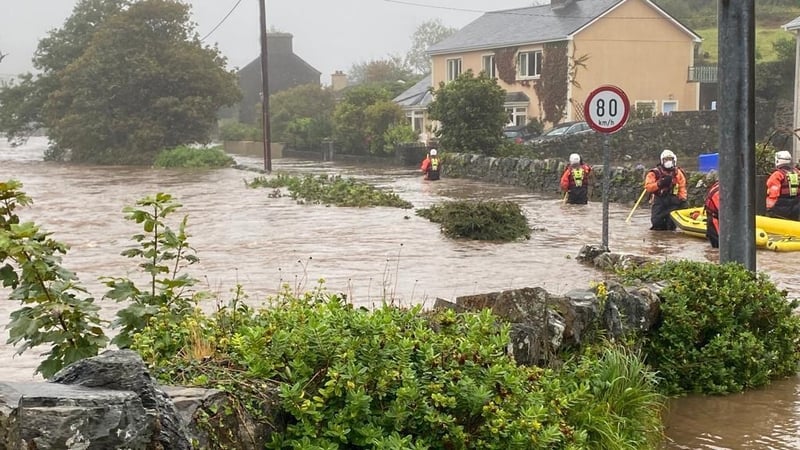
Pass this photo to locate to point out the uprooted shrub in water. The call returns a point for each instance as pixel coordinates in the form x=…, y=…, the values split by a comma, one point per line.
x=483, y=220
x=331, y=190
x=723, y=329
x=401, y=378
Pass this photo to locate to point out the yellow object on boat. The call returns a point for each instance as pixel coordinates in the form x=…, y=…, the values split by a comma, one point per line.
x=776, y=234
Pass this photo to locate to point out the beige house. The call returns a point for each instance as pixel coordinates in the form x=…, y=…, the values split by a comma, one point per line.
x=794, y=27
x=548, y=58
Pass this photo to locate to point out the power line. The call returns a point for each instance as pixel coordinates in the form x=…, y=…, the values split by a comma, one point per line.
x=221, y=21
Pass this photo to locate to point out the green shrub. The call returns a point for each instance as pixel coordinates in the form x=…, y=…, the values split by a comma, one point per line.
x=723, y=328
x=332, y=190
x=236, y=131
x=401, y=378
x=483, y=220
x=193, y=157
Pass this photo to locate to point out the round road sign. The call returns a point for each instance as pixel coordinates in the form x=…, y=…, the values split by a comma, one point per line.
x=606, y=109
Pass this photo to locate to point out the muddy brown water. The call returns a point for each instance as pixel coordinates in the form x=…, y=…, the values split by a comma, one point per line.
x=243, y=236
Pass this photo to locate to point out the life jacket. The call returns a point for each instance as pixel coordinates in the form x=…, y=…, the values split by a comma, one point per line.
x=712, y=201
x=578, y=175
x=790, y=182
x=433, y=170
x=434, y=164
x=675, y=188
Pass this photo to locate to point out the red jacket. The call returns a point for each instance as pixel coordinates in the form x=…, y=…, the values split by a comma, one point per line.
x=778, y=185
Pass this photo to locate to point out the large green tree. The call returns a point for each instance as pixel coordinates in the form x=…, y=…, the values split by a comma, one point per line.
x=470, y=113
x=301, y=116
x=362, y=118
x=120, y=82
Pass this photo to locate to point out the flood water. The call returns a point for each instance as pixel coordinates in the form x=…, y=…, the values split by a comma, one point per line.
x=242, y=236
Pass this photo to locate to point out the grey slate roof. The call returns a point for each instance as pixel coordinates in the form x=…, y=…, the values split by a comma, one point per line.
x=535, y=24
x=418, y=95
x=793, y=25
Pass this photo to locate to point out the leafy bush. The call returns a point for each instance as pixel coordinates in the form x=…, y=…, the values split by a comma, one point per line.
x=398, y=134
x=332, y=190
x=401, y=378
x=163, y=254
x=57, y=310
x=193, y=157
x=483, y=220
x=723, y=328
x=236, y=131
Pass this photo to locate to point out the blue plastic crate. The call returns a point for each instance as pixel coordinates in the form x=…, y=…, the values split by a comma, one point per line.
x=708, y=162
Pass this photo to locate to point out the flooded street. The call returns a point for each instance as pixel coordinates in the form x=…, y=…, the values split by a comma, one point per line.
x=242, y=236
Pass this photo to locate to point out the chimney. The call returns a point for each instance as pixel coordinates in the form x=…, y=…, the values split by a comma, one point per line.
x=558, y=5
x=338, y=81
x=279, y=43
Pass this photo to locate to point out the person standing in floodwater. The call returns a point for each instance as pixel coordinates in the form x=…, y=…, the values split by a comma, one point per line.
x=431, y=166
x=666, y=184
x=575, y=180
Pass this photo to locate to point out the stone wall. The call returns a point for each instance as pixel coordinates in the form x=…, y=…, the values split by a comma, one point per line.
x=543, y=176
x=688, y=134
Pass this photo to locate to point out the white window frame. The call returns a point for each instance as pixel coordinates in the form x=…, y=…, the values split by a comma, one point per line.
x=664, y=104
x=413, y=116
x=518, y=115
x=523, y=63
x=489, y=66
x=652, y=103
x=453, y=68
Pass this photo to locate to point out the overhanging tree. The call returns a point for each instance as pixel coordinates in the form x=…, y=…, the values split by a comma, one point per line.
x=470, y=113
x=427, y=33
x=120, y=82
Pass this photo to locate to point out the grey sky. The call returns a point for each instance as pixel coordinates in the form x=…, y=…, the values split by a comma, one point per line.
x=329, y=35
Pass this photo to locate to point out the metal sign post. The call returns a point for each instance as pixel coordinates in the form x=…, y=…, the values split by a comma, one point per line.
x=606, y=110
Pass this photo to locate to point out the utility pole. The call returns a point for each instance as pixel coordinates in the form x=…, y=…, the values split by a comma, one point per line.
x=737, y=132
x=265, y=88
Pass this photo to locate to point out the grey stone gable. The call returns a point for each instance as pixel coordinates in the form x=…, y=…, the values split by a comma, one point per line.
x=793, y=25
x=497, y=29
x=417, y=95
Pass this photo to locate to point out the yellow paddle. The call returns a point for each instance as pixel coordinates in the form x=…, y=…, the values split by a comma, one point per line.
x=565, y=197
x=628, y=219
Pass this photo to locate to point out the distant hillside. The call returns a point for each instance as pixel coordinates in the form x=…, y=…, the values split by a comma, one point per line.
x=701, y=17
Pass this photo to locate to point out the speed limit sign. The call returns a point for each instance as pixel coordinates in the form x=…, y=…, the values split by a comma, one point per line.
x=606, y=109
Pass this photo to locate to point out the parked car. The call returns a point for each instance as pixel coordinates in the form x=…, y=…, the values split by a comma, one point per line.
x=518, y=133
x=562, y=130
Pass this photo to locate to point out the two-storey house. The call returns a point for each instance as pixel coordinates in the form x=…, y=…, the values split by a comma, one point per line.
x=548, y=58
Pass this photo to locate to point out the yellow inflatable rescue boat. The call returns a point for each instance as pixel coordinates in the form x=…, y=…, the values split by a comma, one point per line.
x=775, y=234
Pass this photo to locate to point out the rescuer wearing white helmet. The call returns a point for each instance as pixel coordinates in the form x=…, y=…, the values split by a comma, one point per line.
x=575, y=180
x=782, y=188
x=431, y=166
x=666, y=184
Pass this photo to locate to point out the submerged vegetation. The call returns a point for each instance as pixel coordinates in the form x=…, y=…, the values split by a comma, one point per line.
x=188, y=157
x=331, y=190
x=482, y=220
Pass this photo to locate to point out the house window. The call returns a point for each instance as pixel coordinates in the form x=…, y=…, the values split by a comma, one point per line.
x=517, y=115
x=667, y=106
x=529, y=64
x=453, y=68
x=645, y=108
x=415, y=120
x=489, y=67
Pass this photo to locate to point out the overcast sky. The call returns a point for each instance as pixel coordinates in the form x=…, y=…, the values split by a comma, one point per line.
x=329, y=35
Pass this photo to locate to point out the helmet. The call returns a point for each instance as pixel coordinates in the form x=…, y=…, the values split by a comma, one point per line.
x=782, y=158
x=433, y=152
x=574, y=158
x=667, y=155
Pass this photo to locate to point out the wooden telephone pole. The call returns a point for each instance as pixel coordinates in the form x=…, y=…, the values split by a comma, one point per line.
x=265, y=88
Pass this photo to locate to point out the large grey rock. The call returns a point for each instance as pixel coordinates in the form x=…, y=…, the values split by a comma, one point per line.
x=124, y=370
x=46, y=416
x=626, y=311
